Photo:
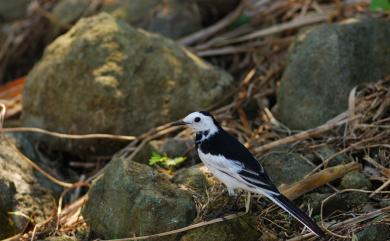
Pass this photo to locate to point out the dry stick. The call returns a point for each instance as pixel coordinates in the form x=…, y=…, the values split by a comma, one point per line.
x=350, y=147
x=160, y=131
x=69, y=136
x=379, y=189
x=39, y=169
x=385, y=171
x=303, y=135
x=13, y=238
x=328, y=198
x=318, y=179
x=358, y=219
x=298, y=22
x=276, y=29
x=60, y=135
x=2, y=115
x=209, y=31
x=197, y=225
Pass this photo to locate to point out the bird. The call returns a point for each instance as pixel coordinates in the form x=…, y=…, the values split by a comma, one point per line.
x=234, y=165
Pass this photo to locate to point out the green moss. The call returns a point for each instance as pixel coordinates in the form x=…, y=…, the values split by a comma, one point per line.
x=243, y=228
x=134, y=199
x=104, y=76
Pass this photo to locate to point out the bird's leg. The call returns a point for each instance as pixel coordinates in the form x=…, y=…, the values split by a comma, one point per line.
x=231, y=191
x=247, y=202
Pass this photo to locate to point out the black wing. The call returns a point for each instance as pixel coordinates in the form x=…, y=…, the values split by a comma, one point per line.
x=252, y=172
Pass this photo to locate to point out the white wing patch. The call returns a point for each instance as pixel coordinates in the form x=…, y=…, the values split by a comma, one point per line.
x=228, y=172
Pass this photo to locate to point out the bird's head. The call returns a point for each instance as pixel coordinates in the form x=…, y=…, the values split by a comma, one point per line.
x=200, y=121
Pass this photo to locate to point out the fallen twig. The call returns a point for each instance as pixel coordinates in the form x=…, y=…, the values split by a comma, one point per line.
x=296, y=23
x=209, y=31
x=69, y=136
x=359, y=219
x=180, y=230
x=304, y=135
x=313, y=181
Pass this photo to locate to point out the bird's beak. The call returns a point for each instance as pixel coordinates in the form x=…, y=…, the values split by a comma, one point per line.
x=179, y=123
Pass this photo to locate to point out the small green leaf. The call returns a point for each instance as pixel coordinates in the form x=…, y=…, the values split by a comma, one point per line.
x=243, y=19
x=169, y=162
x=154, y=159
x=165, y=161
x=379, y=5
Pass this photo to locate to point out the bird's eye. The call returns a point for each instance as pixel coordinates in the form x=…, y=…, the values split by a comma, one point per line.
x=197, y=119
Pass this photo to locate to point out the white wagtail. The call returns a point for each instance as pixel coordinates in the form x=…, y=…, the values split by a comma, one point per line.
x=233, y=164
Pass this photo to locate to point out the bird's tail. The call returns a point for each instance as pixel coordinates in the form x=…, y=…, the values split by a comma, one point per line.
x=298, y=214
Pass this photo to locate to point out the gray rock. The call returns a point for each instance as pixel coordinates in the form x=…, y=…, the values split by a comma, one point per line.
x=356, y=180
x=103, y=76
x=243, y=228
x=378, y=232
x=325, y=152
x=325, y=63
x=193, y=177
x=133, y=199
x=67, y=12
x=285, y=167
x=172, y=18
x=20, y=193
x=13, y=9
x=315, y=199
x=341, y=203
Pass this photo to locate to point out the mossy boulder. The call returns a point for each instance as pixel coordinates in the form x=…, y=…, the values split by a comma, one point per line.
x=193, y=177
x=340, y=203
x=14, y=9
x=356, y=180
x=20, y=193
x=104, y=76
x=172, y=18
x=243, y=228
x=325, y=63
x=133, y=199
x=377, y=232
x=285, y=166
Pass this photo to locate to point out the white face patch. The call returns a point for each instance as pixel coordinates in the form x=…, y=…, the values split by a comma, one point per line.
x=200, y=122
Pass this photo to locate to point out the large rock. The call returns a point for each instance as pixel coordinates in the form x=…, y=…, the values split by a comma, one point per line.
x=20, y=193
x=194, y=177
x=13, y=9
x=105, y=77
x=133, y=199
x=378, y=232
x=172, y=18
x=326, y=62
x=356, y=180
x=285, y=166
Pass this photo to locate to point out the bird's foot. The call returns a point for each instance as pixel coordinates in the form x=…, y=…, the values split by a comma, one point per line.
x=247, y=202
